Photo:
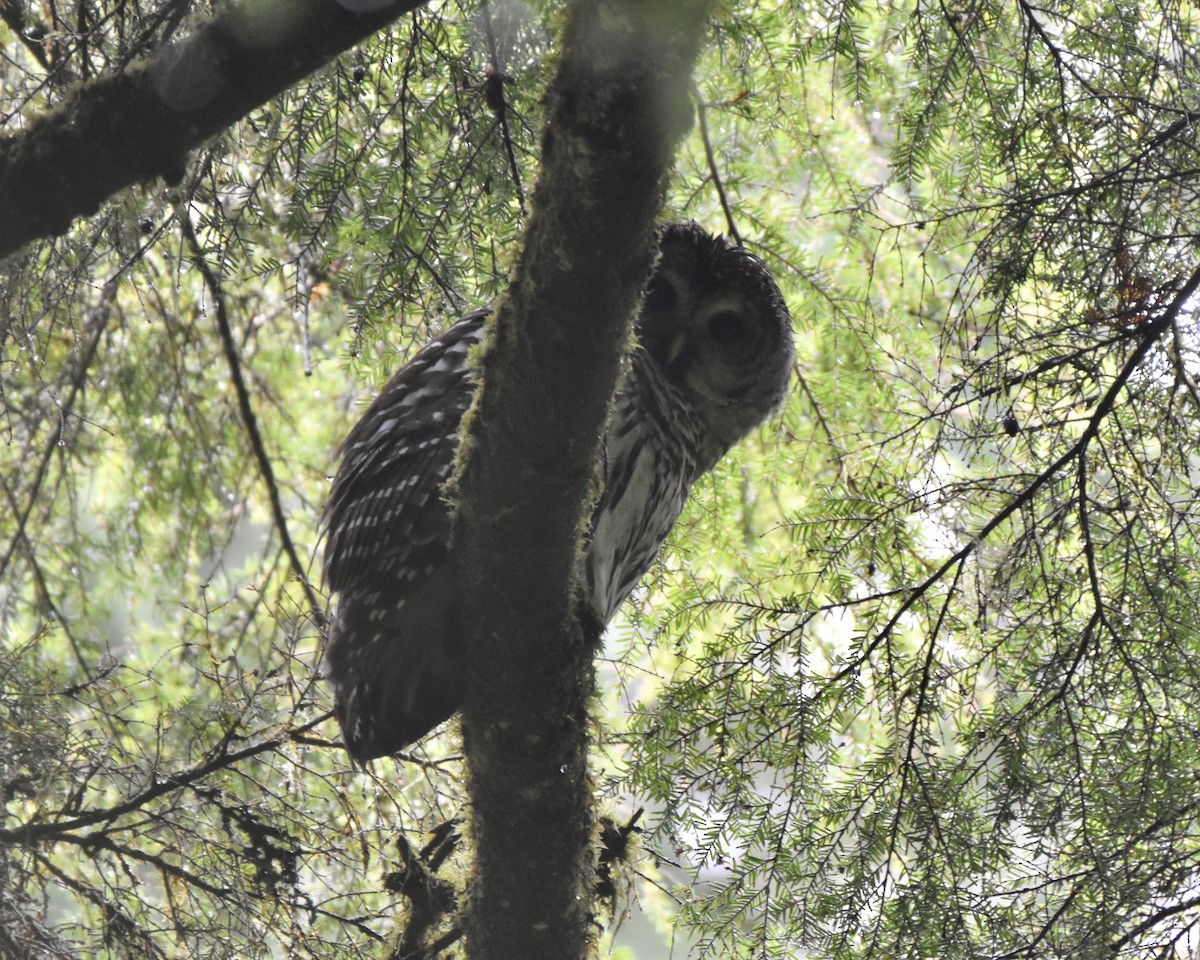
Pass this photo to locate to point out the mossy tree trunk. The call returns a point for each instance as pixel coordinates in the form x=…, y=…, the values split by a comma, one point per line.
x=615, y=111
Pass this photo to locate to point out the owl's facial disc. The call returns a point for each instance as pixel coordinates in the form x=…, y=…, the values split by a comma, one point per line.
x=659, y=328
x=661, y=296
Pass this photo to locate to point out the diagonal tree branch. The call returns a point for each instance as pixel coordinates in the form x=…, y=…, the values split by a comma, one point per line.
x=249, y=420
x=615, y=111
x=1149, y=335
x=133, y=126
x=98, y=325
x=713, y=171
x=36, y=831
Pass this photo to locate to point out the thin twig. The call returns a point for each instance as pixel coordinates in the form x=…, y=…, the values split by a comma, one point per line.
x=39, y=580
x=101, y=841
x=12, y=14
x=701, y=114
x=32, y=832
x=97, y=321
x=249, y=419
x=496, y=80
x=1153, y=330
x=817, y=411
x=116, y=920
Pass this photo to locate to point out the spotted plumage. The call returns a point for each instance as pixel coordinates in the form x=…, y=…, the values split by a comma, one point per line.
x=713, y=359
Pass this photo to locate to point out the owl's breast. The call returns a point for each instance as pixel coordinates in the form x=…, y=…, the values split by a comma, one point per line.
x=647, y=474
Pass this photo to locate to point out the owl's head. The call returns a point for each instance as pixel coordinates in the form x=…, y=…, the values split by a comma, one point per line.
x=717, y=326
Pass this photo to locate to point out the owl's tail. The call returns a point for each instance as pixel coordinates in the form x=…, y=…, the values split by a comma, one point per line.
x=395, y=677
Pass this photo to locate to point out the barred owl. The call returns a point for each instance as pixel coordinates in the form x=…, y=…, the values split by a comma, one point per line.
x=713, y=358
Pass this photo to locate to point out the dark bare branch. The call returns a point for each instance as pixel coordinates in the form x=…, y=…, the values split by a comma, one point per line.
x=249, y=420
x=134, y=126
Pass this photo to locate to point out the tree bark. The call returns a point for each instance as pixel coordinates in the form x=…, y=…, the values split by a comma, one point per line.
x=615, y=111
x=128, y=127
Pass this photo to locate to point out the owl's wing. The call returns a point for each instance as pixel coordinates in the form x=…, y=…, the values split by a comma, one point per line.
x=384, y=518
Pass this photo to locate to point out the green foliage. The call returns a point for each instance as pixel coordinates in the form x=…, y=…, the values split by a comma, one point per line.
x=950, y=714
x=917, y=674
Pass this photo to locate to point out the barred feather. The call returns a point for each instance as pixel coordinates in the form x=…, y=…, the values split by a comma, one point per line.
x=714, y=357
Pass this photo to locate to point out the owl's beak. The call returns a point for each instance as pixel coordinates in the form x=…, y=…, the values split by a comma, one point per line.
x=676, y=348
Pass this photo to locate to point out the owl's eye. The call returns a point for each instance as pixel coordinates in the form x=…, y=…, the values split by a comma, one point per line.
x=661, y=297
x=726, y=327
